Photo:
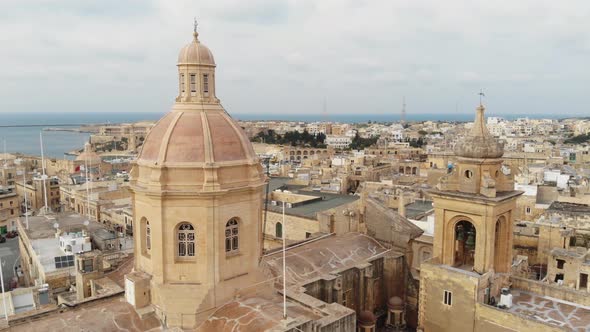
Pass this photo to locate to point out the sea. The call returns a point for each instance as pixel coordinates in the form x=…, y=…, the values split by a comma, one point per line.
x=20, y=132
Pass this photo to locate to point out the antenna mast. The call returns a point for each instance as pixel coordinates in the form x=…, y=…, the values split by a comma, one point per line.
x=403, y=114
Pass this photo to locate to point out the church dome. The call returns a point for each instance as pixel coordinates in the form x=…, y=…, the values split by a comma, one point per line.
x=196, y=137
x=195, y=53
x=479, y=143
x=89, y=156
x=197, y=146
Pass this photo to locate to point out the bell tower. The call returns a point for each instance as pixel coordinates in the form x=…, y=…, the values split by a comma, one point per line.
x=474, y=205
x=474, y=211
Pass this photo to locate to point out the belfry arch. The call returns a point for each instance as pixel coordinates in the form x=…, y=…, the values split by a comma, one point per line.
x=464, y=244
x=502, y=247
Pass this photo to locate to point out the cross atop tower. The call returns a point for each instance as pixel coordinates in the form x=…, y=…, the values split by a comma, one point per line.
x=481, y=95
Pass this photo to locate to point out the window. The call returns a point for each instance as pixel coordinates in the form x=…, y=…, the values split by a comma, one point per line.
x=448, y=298
x=206, y=83
x=279, y=230
x=307, y=235
x=88, y=267
x=560, y=263
x=231, y=235
x=148, y=236
x=182, y=83
x=583, y=280
x=468, y=174
x=193, y=83
x=559, y=277
x=186, y=240
x=528, y=210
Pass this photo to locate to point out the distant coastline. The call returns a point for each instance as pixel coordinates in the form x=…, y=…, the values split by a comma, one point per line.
x=21, y=130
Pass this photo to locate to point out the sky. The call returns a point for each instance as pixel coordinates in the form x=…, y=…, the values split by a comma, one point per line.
x=295, y=56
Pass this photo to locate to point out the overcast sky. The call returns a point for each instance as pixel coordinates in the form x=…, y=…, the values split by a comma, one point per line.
x=529, y=56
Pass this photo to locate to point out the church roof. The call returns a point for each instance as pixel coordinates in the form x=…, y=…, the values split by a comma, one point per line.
x=324, y=256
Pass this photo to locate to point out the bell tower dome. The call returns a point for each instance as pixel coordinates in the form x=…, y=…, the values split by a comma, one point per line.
x=197, y=200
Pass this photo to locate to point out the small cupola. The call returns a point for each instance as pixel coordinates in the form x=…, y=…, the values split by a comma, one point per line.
x=196, y=73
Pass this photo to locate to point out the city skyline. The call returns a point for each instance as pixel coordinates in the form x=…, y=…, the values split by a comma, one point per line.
x=361, y=58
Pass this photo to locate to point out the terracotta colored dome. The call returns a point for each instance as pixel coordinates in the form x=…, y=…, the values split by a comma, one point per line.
x=367, y=318
x=197, y=137
x=395, y=303
x=479, y=143
x=195, y=53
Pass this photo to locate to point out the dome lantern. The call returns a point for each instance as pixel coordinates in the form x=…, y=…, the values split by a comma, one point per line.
x=196, y=72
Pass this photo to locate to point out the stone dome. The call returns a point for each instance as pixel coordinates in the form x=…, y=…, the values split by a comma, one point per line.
x=89, y=156
x=395, y=303
x=479, y=143
x=195, y=53
x=367, y=318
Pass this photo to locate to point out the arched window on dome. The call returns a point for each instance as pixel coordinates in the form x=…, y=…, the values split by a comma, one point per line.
x=193, y=83
x=279, y=230
x=206, y=84
x=186, y=240
x=232, y=236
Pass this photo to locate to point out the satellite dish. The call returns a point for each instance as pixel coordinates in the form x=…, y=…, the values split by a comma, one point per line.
x=86, y=223
x=44, y=177
x=56, y=225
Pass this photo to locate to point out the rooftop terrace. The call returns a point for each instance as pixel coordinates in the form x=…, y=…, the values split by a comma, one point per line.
x=566, y=315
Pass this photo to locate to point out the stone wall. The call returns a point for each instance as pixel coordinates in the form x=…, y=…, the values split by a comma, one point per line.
x=491, y=319
x=551, y=290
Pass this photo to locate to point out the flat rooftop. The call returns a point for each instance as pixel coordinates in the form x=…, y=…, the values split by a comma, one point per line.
x=42, y=227
x=112, y=314
x=567, y=315
x=308, y=210
x=261, y=312
x=418, y=208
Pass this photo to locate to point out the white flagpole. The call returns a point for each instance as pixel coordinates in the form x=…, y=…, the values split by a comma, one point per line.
x=284, y=266
x=87, y=188
x=44, y=176
x=3, y=293
x=26, y=204
x=4, y=155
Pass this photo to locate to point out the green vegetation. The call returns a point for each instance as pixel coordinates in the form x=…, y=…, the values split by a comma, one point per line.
x=417, y=143
x=578, y=139
x=359, y=143
x=293, y=138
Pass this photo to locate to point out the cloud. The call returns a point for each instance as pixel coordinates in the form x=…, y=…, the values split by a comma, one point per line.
x=289, y=54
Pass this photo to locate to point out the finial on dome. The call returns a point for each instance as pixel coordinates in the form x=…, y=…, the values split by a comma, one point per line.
x=481, y=94
x=195, y=33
